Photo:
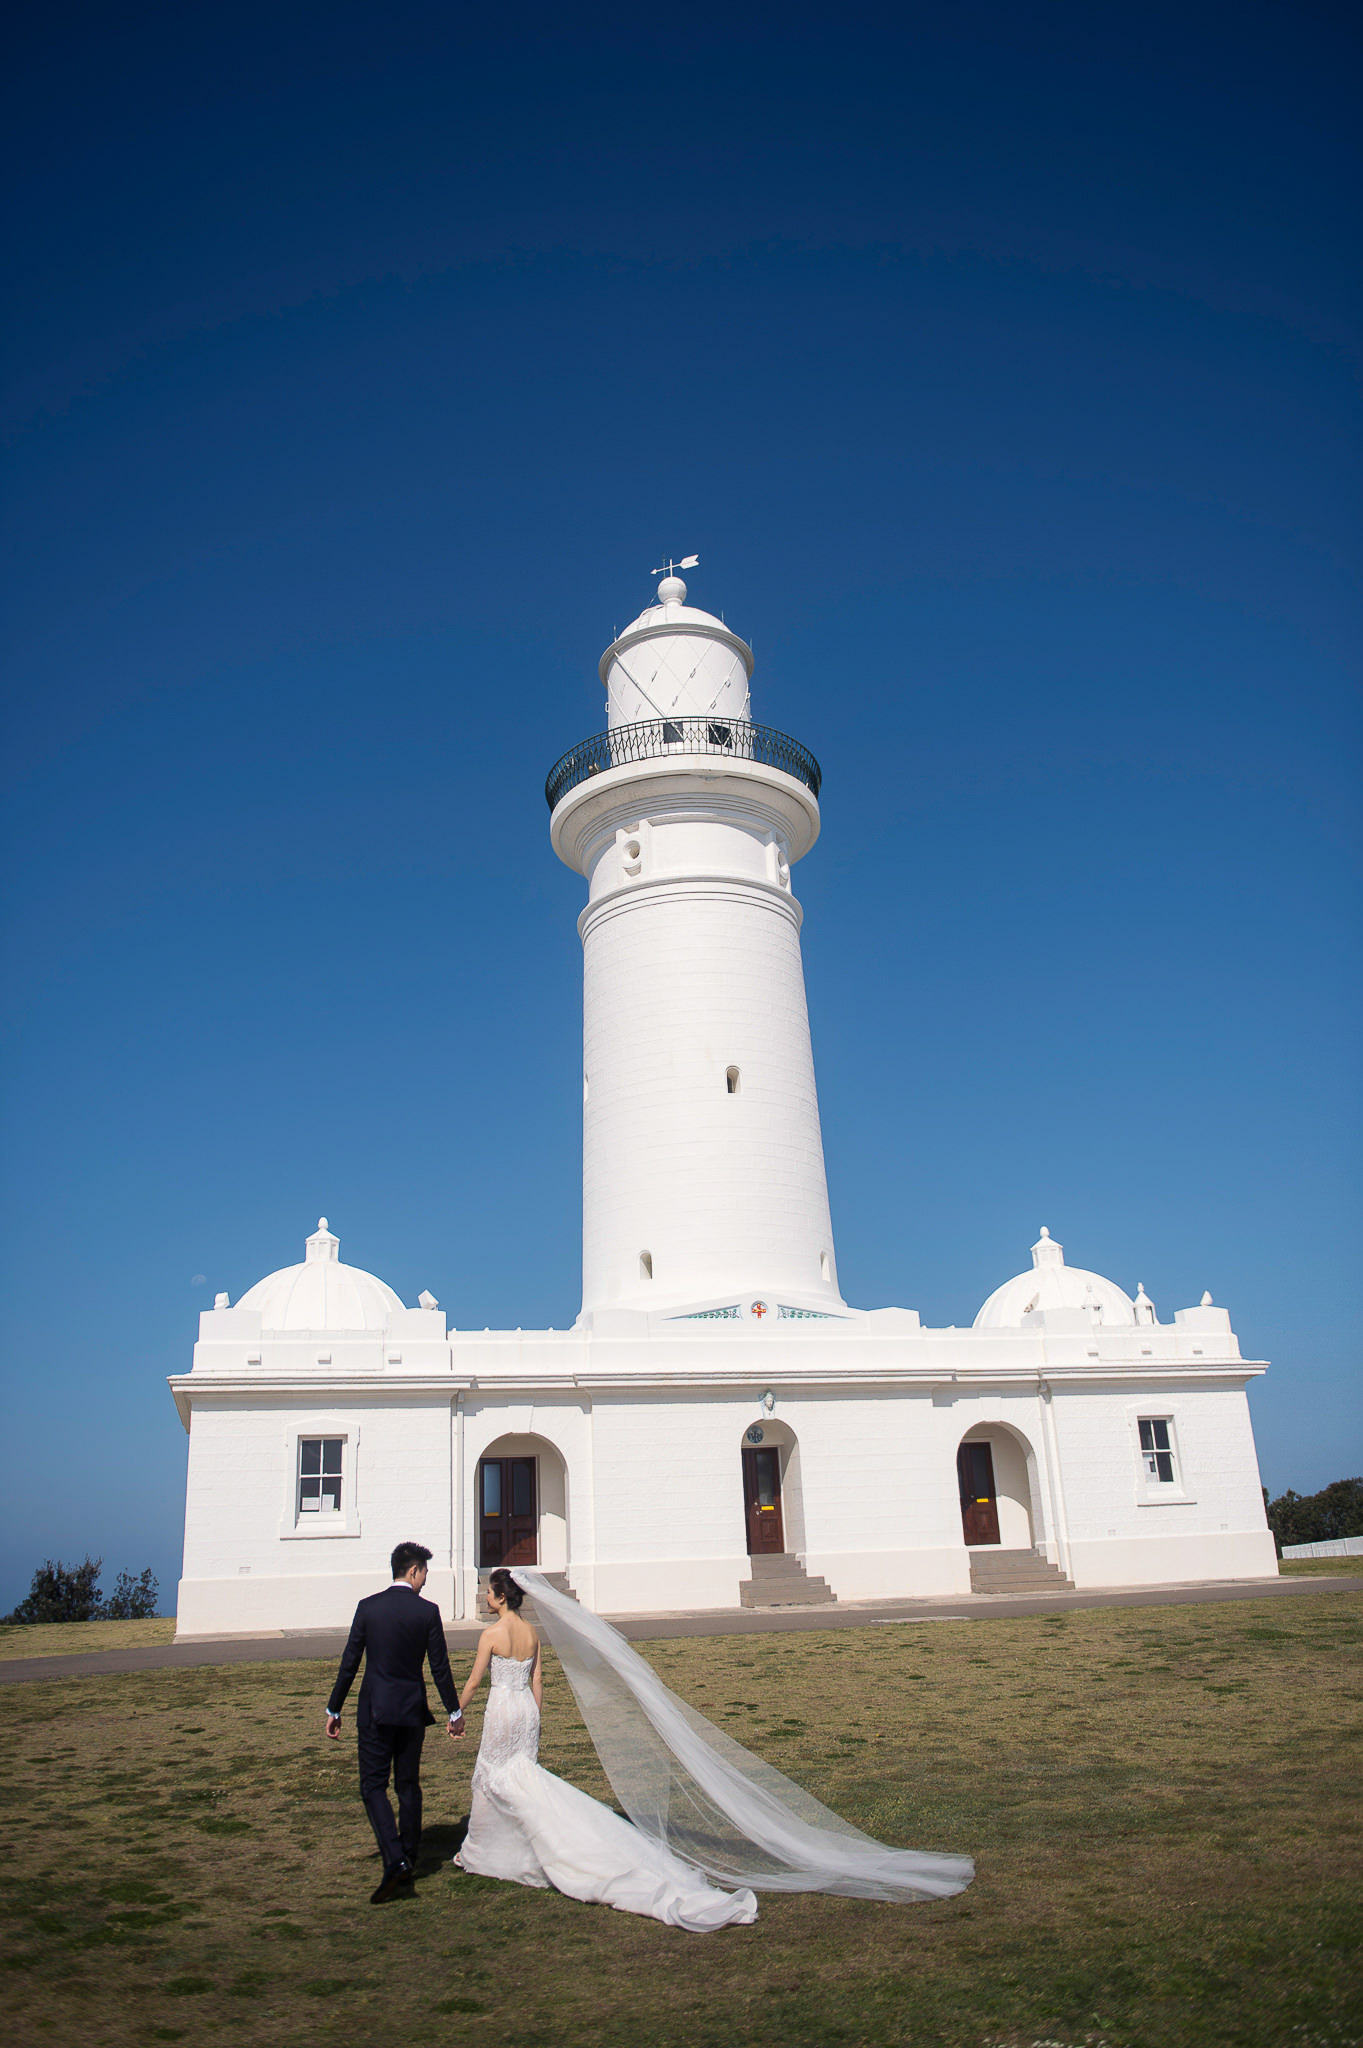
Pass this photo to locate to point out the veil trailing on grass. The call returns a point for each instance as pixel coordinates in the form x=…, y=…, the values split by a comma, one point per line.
x=693, y=1789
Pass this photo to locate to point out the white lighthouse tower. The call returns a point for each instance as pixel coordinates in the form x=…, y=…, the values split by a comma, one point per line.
x=703, y=1186
x=719, y=1428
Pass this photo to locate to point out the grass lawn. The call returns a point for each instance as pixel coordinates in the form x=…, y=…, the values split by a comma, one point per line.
x=65, y=1638
x=1318, y=1567
x=1162, y=1802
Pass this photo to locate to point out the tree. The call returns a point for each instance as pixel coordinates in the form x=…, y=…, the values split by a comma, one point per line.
x=70, y=1592
x=1324, y=1517
x=132, y=1599
x=62, y=1592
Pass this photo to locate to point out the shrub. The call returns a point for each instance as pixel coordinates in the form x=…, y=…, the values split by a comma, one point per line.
x=1324, y=1517
x=70, y=1592
x=62, y=1592
x=132, y=1599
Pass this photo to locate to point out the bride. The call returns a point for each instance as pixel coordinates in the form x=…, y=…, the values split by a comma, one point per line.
x=701, y=1806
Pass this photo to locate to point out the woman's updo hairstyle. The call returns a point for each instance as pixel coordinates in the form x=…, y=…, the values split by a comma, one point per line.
x=505, y=1587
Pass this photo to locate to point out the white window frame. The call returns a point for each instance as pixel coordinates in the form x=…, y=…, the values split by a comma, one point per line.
x=299, y=1524
x=330, y=1498
x=1152, y=1491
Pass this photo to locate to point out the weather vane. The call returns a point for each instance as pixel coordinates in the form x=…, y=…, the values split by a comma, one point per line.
x=670, y=567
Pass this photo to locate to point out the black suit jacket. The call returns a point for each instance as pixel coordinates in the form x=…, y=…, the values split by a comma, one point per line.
x=395, y=1632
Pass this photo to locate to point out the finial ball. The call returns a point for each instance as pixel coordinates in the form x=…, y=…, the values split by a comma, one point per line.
x=672, y=590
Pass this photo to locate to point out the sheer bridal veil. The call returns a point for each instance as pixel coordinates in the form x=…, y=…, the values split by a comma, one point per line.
x=692, y=1788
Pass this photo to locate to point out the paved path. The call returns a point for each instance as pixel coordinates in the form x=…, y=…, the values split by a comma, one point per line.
x=640, y=1628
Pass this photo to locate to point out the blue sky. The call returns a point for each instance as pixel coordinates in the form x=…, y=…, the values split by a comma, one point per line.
x=359, y=365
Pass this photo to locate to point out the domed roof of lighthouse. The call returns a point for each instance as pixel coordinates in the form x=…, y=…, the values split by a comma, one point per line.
x=1053, y=1284
x=321, y=1293
x=675, y=661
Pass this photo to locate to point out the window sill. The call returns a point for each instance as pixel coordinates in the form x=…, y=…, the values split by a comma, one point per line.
x=317, y=1527
x=1167, y=1500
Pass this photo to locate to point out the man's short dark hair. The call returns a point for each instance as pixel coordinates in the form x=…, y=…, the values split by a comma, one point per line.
x=406, y=1555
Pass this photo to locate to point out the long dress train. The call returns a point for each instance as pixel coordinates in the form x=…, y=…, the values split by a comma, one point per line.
x=529, y=1827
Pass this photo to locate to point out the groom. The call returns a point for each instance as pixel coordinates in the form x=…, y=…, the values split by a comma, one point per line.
x=395, y=1632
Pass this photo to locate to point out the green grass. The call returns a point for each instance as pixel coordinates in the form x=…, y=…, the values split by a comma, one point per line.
x=1162, y=1802
x=1318, y=1567
x=67, y=1638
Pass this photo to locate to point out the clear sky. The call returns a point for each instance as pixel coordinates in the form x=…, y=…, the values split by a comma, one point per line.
x=361, y=362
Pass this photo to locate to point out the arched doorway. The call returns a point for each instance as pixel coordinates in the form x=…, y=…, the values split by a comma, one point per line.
x=995, y=1476
x=520, y=1504
x=773, y=1510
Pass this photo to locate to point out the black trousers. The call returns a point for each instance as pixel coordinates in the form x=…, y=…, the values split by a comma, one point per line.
x=384, y=1749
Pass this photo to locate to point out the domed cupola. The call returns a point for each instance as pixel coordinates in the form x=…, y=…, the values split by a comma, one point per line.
x=1053, y=1288
x=321, y=1293
x=676, y=662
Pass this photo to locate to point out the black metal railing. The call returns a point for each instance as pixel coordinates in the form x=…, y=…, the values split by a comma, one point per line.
x=656, y=738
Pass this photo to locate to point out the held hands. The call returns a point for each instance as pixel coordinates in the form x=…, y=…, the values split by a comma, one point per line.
x=456, y=1728
x=333, y=1727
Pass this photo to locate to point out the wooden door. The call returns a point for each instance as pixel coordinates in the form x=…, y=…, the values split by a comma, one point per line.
x=762, y=1501
x=508, y=1511
x=979, y=1501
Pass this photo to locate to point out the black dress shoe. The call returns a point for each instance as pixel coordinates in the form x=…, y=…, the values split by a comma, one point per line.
x=394, y=1879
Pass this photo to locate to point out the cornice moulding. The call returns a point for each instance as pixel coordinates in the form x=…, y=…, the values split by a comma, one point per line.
x=963, y=1382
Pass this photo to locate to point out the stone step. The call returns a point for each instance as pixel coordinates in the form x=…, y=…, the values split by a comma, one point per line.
x=1041, y=1571
x=558, y=1580
x=1005, y=1560
x=1021, y=1586
x=782, y=1581
x=1015, y=1571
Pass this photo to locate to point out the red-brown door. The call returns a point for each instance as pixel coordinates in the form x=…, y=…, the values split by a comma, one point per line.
x=979, y=1502
x=762, y=1501
x=508, y=1518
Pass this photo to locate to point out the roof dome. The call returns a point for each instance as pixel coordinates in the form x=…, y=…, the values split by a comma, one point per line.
x=1052, y=1284
x=321, y=1294
x=675, y=661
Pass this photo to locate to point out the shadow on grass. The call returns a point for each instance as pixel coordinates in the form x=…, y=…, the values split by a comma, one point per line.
x=439, y=1846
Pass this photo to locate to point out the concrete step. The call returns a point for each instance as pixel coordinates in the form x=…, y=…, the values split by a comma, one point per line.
x=782, y=1581
x=1015, y=1571
x=559, y=1580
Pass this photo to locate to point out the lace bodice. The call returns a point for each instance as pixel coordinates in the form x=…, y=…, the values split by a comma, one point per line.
x=511, y=1674
x=511, y=1724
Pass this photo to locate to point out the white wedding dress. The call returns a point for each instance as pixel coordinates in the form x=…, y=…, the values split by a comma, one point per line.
x=700, y=1806
x=529, y=1827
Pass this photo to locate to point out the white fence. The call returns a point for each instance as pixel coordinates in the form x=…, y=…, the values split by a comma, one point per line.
x=1343, y=1546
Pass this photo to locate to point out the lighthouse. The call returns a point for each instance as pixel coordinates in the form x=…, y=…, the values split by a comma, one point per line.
x=719, y=1428
x=703, y=1186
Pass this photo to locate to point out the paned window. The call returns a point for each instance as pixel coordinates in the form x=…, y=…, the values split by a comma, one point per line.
x=1157, y=1451
x=319, y=1475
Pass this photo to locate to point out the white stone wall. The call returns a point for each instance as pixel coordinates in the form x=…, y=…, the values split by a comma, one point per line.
x=639, y=1436
x=1123, y=1531
x=251, y=1562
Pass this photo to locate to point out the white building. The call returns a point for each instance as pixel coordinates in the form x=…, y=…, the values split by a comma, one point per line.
x=719, y=1425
